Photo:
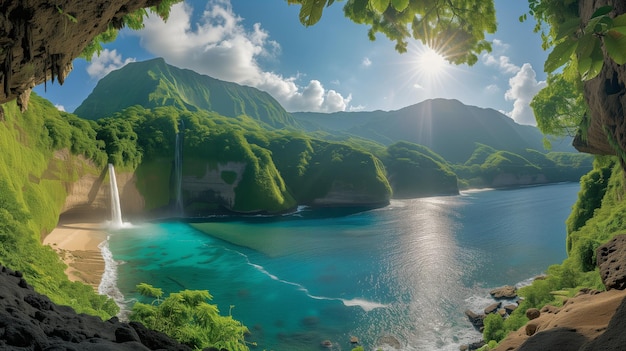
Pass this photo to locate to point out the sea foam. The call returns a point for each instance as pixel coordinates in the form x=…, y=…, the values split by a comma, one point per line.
x=108, y=283
x=366, y=305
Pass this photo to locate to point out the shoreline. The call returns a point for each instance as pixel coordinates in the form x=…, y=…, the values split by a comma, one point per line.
x=77, y=242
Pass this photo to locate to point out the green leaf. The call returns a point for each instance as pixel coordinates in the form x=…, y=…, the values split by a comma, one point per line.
x=586, y=44
x=597, y=61
x=560, y=55
x=400, y=5
x=311, y=11
x=620, y=20
x=620, y=29
x=379, y=5
x=615, y=44
x=584, y=65
x=567, y=28
x=591, y=25
x=602, y=11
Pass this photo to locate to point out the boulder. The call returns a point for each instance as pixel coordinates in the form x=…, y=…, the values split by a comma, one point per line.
x=493, y=308
x=510, y=308
x=531, y=329
x=504, y=292
x=611, y=259
x=476, y=319
x=532, y=313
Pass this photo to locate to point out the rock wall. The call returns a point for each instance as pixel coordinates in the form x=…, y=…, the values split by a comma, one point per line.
x=212, y=187
x=90, y=195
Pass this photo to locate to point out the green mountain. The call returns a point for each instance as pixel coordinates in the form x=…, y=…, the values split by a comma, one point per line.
x=448, y=127
x=154, y=83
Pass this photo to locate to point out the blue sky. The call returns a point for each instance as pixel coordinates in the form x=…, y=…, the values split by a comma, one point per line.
x=331, y=66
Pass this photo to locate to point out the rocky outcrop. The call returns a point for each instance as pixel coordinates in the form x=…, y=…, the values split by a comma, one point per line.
x=30, y=321
x=504, y=292
x=574, y=326
x=39, y=39
x=611, y=259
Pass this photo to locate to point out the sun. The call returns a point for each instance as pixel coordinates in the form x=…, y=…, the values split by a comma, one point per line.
x=431, y=64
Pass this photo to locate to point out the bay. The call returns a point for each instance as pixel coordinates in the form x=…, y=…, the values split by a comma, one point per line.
x=404, y=273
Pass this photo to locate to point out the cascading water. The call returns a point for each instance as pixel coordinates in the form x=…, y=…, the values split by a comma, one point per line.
x=116, y=210
x=178, y=170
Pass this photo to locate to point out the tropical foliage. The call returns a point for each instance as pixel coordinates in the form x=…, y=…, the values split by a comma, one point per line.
x=42, y=151
x=188, y=317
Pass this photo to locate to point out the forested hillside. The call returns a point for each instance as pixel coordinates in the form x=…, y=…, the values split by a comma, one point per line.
x=154, y=83
x=448, y=127
x=447, y=132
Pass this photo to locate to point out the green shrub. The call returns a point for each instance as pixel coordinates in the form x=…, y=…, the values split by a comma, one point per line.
x=494, y=327
x=188, y=317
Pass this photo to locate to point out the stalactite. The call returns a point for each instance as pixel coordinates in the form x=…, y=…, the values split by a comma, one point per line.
x=53, y=66
x=7, y=70
x=45, y=69
x=27, y=42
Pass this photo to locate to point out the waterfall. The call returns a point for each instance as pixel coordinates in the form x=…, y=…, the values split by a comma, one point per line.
x=116, y=210
x=178, y=171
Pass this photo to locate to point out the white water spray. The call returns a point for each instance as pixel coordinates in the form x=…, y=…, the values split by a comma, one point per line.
x=116, y=210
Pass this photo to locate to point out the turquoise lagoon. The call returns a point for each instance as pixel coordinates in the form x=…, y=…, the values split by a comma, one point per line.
x=404, y=272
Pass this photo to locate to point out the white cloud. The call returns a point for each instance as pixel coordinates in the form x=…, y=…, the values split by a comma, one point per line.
x=499, y=46
x=60, y=107
x=497, y=58
x=492, y=88
x=417, y=86
x=356, y=108
x=366, y=62
x=503, y=63
x=218, y=45
x=109, y=60
x=523, y=87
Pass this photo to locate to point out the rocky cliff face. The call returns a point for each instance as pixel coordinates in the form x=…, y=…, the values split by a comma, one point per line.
x=605, y=95
x=39, y=39
x=90, y=194
x=30, y=321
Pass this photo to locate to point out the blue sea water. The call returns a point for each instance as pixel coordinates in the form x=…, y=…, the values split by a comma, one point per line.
x=404, y=272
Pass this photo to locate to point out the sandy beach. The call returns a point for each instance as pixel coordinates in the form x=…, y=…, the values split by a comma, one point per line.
x=77, y=242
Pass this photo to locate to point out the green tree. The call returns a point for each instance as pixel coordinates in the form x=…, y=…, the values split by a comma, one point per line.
x=188, y=317
x=450, y=27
